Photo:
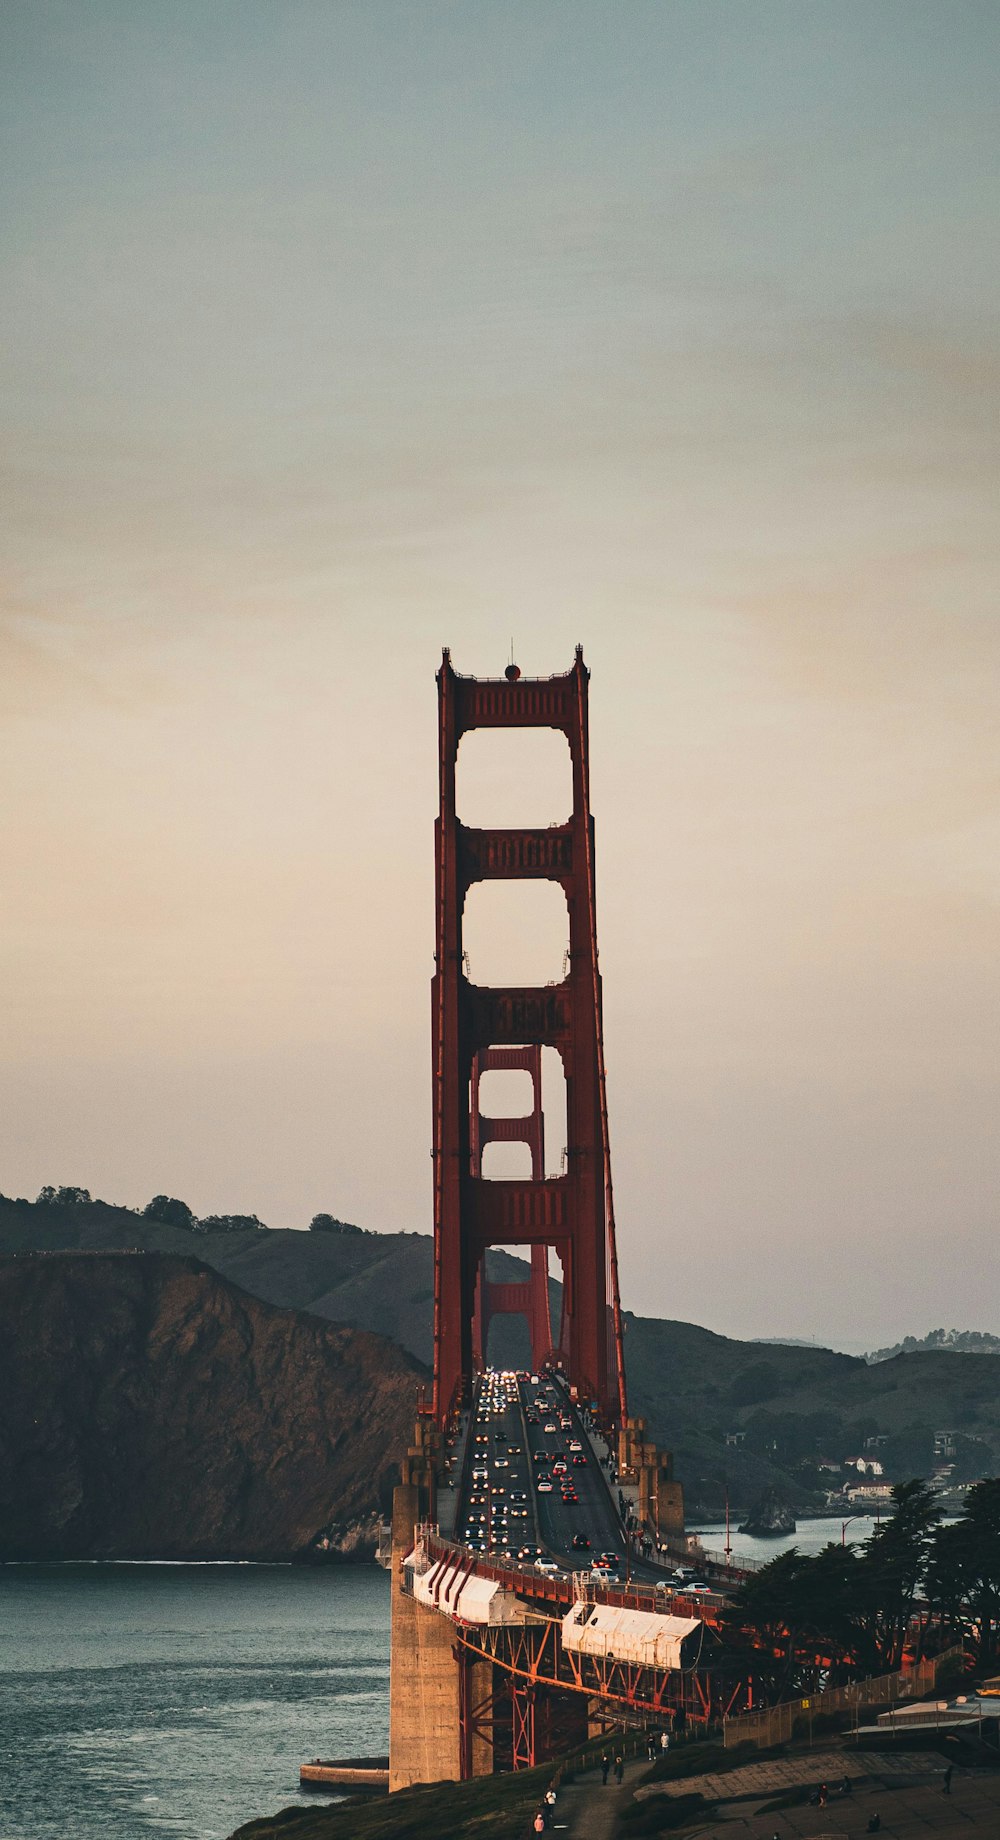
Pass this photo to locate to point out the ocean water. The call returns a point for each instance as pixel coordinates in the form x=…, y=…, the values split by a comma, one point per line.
x=147, y=1701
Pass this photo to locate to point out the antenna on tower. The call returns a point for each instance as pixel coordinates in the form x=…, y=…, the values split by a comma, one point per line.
x=513, y=671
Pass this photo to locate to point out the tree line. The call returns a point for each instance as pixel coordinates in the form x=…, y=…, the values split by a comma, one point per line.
x=168, y=1211
x=914, y=1586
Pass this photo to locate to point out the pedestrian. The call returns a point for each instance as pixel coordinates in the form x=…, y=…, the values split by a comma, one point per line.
x=947, y=1779
x=845, y=1787
x=651, y=1748
x=664, y=1742
x=619, y=1768
x=605, y=1767
x=539, y=1822
x=823, y=1792
x=875, y=1824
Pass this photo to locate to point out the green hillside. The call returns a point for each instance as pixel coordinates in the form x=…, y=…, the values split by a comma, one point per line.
x=738, y=1415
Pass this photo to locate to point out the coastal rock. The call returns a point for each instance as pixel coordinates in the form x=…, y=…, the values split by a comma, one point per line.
x=770, y=1514
x=150, y=1409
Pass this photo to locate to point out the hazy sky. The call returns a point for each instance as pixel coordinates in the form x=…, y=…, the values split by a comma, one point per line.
x=335, y=332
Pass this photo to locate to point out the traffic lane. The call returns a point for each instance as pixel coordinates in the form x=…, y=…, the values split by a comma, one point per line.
x=643, y=1570
x=498, y=1444
x=594, y=1515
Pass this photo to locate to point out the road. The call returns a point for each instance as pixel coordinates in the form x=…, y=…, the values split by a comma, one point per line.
x=518, y=1431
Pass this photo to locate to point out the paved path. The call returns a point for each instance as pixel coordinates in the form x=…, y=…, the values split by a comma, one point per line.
x=770, y=1778
x=906, y=1790
x=589, y=1810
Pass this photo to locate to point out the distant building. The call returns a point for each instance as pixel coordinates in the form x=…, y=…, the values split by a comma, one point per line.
x=736, y=1439
x=869, y=1491
x=944, y=1445
x=865, y=1466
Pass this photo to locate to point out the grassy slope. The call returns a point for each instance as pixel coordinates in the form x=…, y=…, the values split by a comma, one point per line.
x=491, y=1808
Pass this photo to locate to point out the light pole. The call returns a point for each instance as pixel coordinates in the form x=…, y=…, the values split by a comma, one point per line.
x=845, y=1524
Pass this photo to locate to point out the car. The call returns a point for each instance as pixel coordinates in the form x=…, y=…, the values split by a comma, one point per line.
x=560, y=1468
x=581, y=1542
x=529, y=1552
x=544, y=1487
x=520, y=1514
x=697, y=1590
x=498, y=1489
x=501, y=1463
x=551, y=1426
x=575, y=1444
x=514, y=1450
x=548, y=1567
x=541, y=1456
x=518, y=1495
x=579, y=1460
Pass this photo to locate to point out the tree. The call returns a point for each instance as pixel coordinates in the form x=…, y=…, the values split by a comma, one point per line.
x=169, y=1212
x=326, y=1223
x=893, y=1561
x=981, y=1563
x=64, y=1197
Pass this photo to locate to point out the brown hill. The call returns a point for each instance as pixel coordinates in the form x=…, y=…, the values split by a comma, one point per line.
x=149, y=1408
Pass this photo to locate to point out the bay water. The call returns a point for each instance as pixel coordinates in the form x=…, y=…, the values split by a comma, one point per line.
x=809, y=1537
x=146, y=1701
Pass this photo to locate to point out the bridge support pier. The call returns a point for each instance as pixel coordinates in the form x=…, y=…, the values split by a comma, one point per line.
x=425, y=1723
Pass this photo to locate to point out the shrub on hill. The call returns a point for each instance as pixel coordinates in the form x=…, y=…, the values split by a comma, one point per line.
x=229, y=1223
x=327, y=1223
x=169, y=1212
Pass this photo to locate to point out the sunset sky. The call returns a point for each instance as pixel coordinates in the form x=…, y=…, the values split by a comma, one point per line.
x=336, y=332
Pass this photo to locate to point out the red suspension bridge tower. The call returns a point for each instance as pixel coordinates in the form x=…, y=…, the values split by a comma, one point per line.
x=478, y=1029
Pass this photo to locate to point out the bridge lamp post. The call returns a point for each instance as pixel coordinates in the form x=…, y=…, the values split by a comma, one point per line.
x=845, y=1524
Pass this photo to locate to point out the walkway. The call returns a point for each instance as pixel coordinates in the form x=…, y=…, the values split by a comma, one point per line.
x=589, y=1810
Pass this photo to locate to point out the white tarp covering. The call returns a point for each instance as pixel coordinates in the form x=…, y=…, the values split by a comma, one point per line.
x=643, y=1637
x=450, y=1588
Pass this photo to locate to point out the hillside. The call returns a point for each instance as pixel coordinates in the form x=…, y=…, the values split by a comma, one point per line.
x=738, y=1415
x=148, y=1408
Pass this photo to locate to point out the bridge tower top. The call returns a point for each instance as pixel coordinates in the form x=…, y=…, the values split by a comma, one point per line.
x=572, y=1214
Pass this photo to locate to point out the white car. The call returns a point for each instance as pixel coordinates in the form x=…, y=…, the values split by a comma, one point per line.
x=548, y=1567
x=551, y=1426
x=575, y=1444
x=544, y=1487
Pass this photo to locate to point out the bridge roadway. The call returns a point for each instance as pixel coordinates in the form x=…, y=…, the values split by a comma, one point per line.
x=508, y=1455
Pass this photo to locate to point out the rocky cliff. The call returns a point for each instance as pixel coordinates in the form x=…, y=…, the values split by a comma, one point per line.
x=150, y=1408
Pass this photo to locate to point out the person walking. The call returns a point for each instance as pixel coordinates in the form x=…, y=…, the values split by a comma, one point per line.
x=664, y=1743
x=605, y=1767
x=651, y=1748
x=947, y=1779
x=619, y=1769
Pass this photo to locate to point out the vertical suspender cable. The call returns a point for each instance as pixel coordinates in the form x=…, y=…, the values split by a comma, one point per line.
x=609, y=1197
